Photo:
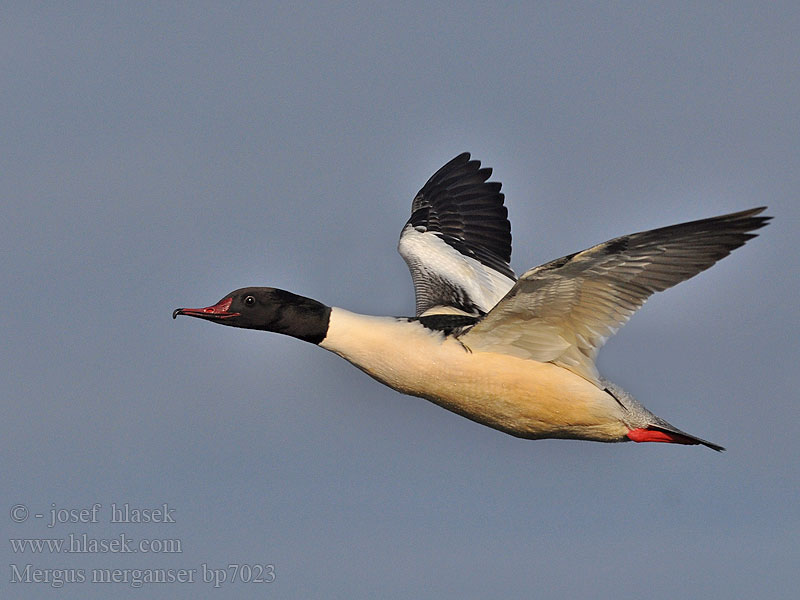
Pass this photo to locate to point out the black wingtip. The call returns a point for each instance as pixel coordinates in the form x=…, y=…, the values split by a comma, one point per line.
x=746, y=220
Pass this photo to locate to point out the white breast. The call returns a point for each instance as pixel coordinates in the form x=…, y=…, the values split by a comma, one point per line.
x=522, y=397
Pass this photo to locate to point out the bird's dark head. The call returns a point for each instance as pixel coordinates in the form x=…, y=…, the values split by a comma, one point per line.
x=269, y=309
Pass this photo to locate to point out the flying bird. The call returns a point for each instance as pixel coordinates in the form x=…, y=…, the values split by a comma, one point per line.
x=513, y=353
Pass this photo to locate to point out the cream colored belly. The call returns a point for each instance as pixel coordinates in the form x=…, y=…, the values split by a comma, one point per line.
x=522, y=397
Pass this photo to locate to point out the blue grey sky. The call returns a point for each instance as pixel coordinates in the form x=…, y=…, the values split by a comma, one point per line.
x=158, y=155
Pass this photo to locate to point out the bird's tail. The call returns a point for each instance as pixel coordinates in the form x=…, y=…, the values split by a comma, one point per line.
x=669, y=434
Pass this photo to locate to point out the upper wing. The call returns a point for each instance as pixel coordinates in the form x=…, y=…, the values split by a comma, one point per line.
x=565, y=310
x=457, y=242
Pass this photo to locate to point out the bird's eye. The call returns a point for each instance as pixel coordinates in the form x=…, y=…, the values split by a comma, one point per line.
x=249, y=301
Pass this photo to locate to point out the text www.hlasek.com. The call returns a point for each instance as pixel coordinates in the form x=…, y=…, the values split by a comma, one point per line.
x=83, y=544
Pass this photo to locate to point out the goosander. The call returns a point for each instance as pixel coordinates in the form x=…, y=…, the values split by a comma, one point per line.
x=515, y=354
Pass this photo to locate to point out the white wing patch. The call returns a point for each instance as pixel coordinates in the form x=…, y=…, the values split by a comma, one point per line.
x=440, y=271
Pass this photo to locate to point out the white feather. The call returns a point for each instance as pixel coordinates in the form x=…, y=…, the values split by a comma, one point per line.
x=430, y=260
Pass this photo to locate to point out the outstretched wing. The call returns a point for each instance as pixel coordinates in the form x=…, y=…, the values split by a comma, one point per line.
x=565, y=310
x=457, y=243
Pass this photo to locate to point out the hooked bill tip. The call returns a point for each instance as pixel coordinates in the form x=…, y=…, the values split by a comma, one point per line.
x=176, y=312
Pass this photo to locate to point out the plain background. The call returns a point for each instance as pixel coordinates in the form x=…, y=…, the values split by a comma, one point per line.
x=157, y=155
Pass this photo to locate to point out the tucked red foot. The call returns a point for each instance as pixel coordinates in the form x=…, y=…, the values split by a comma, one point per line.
x=656, y=435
